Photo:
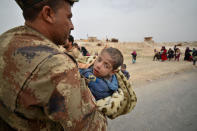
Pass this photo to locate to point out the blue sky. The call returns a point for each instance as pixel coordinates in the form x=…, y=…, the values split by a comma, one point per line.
x=128, y=20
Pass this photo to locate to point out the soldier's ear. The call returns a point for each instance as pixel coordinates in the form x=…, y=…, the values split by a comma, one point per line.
x=48, y=14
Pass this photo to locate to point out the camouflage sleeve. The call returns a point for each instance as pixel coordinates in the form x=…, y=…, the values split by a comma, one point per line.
x=57, y=87
x=76, y=53
x=86, y=62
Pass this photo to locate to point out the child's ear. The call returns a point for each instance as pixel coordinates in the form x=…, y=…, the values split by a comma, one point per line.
x=114, y=71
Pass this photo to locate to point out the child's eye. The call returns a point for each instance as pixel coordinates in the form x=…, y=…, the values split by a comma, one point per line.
x=107, y=66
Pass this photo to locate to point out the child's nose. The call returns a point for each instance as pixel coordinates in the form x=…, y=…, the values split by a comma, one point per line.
x=99, y=65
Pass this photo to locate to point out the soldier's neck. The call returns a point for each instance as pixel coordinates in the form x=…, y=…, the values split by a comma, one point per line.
x=37, y=26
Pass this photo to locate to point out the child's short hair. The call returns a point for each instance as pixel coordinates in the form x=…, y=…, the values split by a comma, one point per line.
x=116, y=56
x=124, y=66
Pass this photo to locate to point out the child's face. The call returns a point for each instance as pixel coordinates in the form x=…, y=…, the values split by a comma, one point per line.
x=123, y=68
x=103, y=66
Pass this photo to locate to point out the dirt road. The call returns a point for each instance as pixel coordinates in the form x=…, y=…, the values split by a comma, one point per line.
x=167, y=104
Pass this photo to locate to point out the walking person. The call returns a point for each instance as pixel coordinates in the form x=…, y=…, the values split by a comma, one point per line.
x=134, y=56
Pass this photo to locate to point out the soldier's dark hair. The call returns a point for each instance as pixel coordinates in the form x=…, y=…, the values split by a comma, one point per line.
x=71, y=39
x=31, y=12
x=76, y=46
x=116, y=55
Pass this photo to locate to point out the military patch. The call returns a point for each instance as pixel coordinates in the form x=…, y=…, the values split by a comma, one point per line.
x=92, y=78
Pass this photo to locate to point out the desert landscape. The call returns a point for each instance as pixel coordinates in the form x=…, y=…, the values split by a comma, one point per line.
x=145, y=69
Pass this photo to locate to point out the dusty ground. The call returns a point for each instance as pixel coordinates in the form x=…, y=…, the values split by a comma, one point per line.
x=145, y=69
x=168, y=104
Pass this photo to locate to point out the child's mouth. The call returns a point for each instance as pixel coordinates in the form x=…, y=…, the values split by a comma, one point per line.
x=95, y=72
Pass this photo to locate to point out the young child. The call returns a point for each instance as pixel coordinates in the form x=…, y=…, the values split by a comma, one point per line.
x=124, y=71
x=101, y=76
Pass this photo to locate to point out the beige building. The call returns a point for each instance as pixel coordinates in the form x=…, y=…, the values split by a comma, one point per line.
x=92, y=39
x=114, y=40
x=148, y=39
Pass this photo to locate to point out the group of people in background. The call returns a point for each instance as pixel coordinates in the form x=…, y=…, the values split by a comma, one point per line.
x=191, y=55
x=164, y=54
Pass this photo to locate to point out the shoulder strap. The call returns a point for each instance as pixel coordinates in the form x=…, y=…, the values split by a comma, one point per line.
x=71, y=58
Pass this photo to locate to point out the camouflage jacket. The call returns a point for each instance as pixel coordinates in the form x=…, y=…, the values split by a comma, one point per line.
x=41, y=88
x=74, y=52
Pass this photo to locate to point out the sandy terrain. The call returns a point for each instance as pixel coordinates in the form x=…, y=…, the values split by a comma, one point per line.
x=145, y=69
x=168, y=104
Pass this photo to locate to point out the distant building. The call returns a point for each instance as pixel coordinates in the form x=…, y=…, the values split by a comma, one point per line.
x=148, y=39
x=92, y=39
x=114, y=40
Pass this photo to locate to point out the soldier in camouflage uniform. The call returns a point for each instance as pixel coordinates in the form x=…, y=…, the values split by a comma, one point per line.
x=73, y=50
x=41, y=88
